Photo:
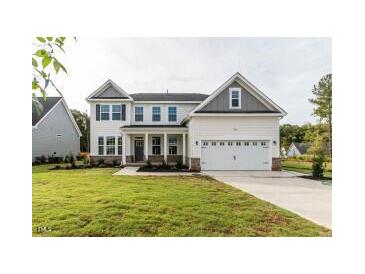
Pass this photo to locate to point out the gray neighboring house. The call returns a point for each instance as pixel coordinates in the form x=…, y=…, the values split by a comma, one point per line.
x=54, y=130
x=297, y=149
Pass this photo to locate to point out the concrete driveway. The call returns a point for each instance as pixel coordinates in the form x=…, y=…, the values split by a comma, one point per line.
x=308, y=198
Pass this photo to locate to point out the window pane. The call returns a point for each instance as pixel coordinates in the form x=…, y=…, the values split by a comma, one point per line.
x=116, y=116
x=110, y=150
x=156, y=141
x=138, y=117
x=119, y=140
x=101, y=150
x=116, y=108
x=104, y=116
x=156, y=150
x=172, y=150
x=172, y=140
x=172, y=114
x=101, y=140
x=110, y=141
x=104, y=108
x=235, y=102
x=235, y=94
x=156, y=114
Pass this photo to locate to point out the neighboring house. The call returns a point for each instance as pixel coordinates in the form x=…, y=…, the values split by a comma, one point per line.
x=236, y=127
x=54, y=131
x=296, y=149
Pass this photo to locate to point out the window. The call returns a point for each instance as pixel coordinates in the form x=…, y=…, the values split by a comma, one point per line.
x=254, y=143
x=230, y=143
x=138, y=114
x=205, y=143
x=104, y=112
x=172, y=114
x=221, y=143
x=247, y=143
x=235, y=98
x=156, y=145
x=101, y=145
x=263, y=143
x=214, y=143
x=116, y=109
x=110, y=145
x=238, y=143
x=120, y=145
x=156, y=114
x=172, y=145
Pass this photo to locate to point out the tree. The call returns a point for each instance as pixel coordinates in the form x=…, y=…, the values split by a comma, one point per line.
x=45, y=62
x=323, y=103
x=83, y=122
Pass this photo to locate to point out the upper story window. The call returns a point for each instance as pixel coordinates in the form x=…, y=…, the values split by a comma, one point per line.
x=156, y=114
x=138, y=114
x=172, y=114
x=104, y=112
x=116, y=110
x=234, y=98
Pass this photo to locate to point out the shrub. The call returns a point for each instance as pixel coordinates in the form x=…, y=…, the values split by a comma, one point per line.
x=86, y=159
x=164, y=164
x=99, y=162
x=115, y=162
x=149, y=163
x=317, y=166
x=40, y=159
x=80, y=157
x=179, y=164
x=69, y=158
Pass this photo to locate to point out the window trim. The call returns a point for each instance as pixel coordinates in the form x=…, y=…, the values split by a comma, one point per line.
x=103, y=145
x=168, y=114
x=172, y=144
x=139, y=106
x=107, y=146
x=231, y=90
x=152, y=113
x=154, y=137
x=120, y=112
x=108, y=112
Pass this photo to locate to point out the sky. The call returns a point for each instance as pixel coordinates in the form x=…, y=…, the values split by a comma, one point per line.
x=285, y=69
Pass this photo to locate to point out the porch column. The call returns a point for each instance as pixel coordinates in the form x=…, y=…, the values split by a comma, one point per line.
x=146, y=146
x=124, y=136
x=184, y=148
x=165, y=147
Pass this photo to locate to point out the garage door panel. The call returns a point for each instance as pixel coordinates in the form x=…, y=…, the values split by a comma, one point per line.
x=235, y=155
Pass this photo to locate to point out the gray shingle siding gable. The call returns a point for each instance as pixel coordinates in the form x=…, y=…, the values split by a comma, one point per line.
x=249, y=104
x=109, y=93
x=44, y=136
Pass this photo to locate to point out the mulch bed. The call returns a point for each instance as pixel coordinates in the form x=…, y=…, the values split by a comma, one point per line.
x=161, y=169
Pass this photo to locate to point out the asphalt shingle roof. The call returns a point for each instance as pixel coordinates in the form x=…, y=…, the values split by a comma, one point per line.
x=47, y=104
x=169, y=97
x=302, y=147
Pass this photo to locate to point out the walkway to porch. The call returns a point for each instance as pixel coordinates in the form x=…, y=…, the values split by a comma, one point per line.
x=154, y=143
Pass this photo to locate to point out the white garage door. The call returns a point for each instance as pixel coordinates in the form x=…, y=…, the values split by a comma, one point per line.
x=235, y=155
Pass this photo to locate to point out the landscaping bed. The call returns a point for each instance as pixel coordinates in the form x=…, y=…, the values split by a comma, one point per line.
x=161, y=169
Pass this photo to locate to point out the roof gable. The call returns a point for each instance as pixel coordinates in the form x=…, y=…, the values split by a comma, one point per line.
x=109, y=90
x=46, y=104
x=253, y=91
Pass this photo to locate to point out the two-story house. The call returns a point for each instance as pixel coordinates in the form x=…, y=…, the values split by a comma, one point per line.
x=236, y=127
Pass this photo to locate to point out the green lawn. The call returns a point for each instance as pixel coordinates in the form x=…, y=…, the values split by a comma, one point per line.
x=91, y=202
x=305, y=167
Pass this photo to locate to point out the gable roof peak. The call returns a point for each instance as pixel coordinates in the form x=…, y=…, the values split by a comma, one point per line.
x=105, y=86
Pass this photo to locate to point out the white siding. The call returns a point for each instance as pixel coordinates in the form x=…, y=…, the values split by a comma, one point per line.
x=105, y=128
x=239, y=127
x=182, y=111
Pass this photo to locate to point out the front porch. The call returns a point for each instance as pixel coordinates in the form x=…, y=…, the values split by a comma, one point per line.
x=156, y=144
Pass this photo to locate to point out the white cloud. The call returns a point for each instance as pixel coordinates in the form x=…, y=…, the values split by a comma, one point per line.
x=284, y=68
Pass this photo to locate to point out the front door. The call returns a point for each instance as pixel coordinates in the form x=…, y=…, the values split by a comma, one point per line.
x=138, y=150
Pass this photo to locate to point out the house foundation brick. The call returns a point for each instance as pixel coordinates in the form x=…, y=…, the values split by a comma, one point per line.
x=107, y=159
x=195, y=164
x=276, y=164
